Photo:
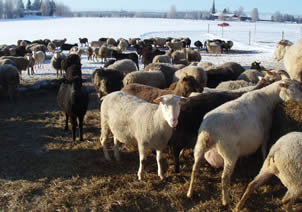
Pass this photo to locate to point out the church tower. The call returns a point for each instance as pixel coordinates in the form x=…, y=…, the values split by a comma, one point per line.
x=213, y=7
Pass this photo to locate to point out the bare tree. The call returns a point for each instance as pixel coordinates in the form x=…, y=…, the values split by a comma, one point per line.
x=277, y=16
x=62, y=10
x=172, y=12
x=8, y=9
x=1, y=9
x=45, y=8
x=36, y=5
x=19, y=8
x=255, y=14
x=239, y=12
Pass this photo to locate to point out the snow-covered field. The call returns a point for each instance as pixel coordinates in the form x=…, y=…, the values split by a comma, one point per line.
x=255, y=41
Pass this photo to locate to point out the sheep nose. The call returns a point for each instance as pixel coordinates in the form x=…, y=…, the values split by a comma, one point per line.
x=173, y=123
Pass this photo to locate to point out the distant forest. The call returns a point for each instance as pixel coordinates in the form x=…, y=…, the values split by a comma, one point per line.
x=16, y=9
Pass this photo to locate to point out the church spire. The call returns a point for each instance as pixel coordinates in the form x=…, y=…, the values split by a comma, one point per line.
x=213, y=7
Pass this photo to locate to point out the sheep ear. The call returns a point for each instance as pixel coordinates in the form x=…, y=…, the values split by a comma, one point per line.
x=270, y=73
x=157, y=100
x=183, y=100
x=283, y=85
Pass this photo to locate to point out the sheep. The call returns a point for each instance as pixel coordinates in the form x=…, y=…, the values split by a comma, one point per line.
x=39, y=57
x=246, y=121
x=95, y=44
x=107, y=81
x=167, y=69
x=72, y=59
x=173, y=46
x=67, y=46
x=124, y=66
x=256, y=65
x=9, y=80
x=198, y=44
x=148, y=54
x=51, y=47
x=89, y=53
x=132, y=124
x=76, y=50
x=104, y=53
x=281, y=48
x=83, y=41
x=159, y=42
x=21, y=62
x=162, y=59
x=73, y=99
x=59, y=42
x=73, y=71
x=213, y=48
x=111, y=42
x=192, y=113
x=250, y=75
x=292, y=61
x=122, y=45
x=7, y=61
x=120, y=56
x=133, y=41
x=192, y=55
x=178, y=56
x=30, y=68
x=206, y=66
x=20, y=51
x=233, y=85
x=184, y=87
x=225, y=72
x=284, y=161
x=56, y=62
x=198, y=73
x=187, y=42
x=154, y=78
x=36, y=47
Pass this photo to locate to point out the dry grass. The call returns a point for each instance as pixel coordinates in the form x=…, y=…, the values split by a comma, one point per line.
x=41, y=169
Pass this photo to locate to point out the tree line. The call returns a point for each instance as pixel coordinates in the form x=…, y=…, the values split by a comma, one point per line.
x=17, y=9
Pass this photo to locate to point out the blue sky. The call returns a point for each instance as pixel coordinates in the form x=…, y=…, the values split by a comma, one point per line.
x=264, y=6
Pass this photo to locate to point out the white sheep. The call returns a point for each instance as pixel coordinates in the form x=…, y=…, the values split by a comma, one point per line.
x=125, y=66
x=281, y=48
x=153, y=78
x=238, y=128
x=293, y=61
x=251, y=75
x=284, y=161
x=133, y=120
x=123, y=45
x=39, y=57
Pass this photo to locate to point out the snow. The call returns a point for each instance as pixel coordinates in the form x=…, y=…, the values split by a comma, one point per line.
x=263, y=36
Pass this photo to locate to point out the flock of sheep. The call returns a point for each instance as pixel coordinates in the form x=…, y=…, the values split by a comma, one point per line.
x=224, y=111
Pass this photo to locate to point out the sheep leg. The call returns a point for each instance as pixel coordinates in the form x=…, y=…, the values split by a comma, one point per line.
x=193, y=175
x=142, y=155
x=81, y=127
x=228, y=168
x=103, y=139
x=116, y=149
x=74, y=126
x=66, y=122
x=259, y=180
x=158, y=159
x=290, y=197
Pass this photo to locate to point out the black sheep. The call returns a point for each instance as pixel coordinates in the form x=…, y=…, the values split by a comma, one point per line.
x=131, y=56
x=198, y=44
x=73, y=99
x=72, y=59
x=83, y=41
x=67, y=46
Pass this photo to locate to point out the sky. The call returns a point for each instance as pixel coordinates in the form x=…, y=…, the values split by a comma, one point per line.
x=293, y=7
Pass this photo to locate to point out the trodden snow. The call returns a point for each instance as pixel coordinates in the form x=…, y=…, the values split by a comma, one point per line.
x=254, y=41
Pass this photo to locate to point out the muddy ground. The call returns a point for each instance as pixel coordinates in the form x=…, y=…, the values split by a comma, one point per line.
x=41, y=169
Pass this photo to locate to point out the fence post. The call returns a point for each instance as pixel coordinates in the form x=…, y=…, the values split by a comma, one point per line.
x=249, y=38
x=282, y=35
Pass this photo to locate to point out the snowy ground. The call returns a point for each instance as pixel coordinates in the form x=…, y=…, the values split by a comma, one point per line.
x=252, y=41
